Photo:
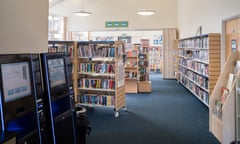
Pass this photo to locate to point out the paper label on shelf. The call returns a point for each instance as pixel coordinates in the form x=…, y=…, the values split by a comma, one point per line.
x=120, y=73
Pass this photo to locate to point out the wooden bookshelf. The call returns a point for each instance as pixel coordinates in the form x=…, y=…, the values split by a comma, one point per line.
x=199, y=64
x=100, y=75
x=154, y=59
x=144, y=84
x=131, y=70
x=175, y=60
x=222, y=113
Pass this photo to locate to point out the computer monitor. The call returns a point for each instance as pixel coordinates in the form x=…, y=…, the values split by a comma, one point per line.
x=15, y=80
x=56, y=72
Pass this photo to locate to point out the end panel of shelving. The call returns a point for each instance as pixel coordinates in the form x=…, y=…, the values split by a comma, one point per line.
x=131, y=86
x=228, y=118
x=120, y=99
x=224, y=127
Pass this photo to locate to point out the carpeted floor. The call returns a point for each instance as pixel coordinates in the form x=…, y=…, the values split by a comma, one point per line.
x=168, y=115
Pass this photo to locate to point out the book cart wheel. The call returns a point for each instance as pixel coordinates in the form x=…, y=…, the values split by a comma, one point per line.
x=116, y=114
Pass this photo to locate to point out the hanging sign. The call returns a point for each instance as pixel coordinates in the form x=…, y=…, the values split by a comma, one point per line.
x=116, y=24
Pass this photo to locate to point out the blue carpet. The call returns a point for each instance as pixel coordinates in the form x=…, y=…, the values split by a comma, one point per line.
x=168, y=115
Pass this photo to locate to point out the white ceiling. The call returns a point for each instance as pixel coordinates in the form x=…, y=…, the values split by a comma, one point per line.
x=116, y=10
x=67, y=7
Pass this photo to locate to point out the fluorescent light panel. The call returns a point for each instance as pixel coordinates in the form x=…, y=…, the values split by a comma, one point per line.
x=82, y=13
x=146, y=12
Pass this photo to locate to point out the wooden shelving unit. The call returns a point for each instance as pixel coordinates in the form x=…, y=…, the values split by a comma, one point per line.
x=199, y=64
x=237, y=108
x=222, y=113
x=144, y=84
x=155, y=59
x=131, y=71
x=100, y=75
x=175, y=60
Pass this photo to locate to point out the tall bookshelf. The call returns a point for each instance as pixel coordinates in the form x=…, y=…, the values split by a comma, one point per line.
x=222, y=115
x=175, y=60
x=199, y=64
x=154, y=59
x=144, y=84
x=101, y=75
x=131, y=70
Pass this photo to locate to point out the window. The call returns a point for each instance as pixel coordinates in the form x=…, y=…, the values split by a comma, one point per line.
x=56, y=28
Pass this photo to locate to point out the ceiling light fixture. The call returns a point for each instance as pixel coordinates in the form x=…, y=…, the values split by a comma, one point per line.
x=146, y=11
x=82, y=12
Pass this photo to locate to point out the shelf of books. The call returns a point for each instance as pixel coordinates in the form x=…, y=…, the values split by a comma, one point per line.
x=199, y=64
x=101, y=75
x=155, y=59
x=144, y=84
x=222, y=102
x=131, y=70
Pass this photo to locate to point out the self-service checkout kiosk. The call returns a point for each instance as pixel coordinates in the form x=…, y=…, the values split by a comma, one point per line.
x=18, y=102
x=58, y=98
x=36, y=98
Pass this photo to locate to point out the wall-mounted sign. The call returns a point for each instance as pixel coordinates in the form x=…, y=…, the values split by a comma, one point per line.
x=116, y=24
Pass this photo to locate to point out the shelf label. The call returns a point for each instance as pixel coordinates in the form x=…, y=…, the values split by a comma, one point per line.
x=116, y=24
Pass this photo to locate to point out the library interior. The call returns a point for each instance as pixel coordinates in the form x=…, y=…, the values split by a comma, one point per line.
x=119, y=72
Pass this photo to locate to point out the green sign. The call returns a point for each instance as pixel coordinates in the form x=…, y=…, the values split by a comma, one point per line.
x=116, y=24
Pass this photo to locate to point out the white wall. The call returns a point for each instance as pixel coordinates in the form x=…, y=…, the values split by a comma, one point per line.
x=118, y=10
x=23, y=26
x=207, y=13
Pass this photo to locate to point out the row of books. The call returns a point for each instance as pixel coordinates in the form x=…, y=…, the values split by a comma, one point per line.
x=92, y=50
x=61, y=49
x=96, y=83
x=142, y=49
x=198, y=67
x=132, y=75
x=198, y=79
x=130, y=64
x=104, y=100
x=196, y=90
x=199, y=42
x=96, y=67
x=143, y=63
x=143, y=77
x=197, y=55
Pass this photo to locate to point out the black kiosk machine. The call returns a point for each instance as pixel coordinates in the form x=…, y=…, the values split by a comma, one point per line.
x=18, y=101
x=58, y=97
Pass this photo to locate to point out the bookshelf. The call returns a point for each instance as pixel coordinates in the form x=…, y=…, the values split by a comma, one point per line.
x=175, y=60
x=199, y=64
x=237, y=107
x=222, y=113
x=101, y=75
x=154, y=59
x=131, y=70
x=144, y=84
